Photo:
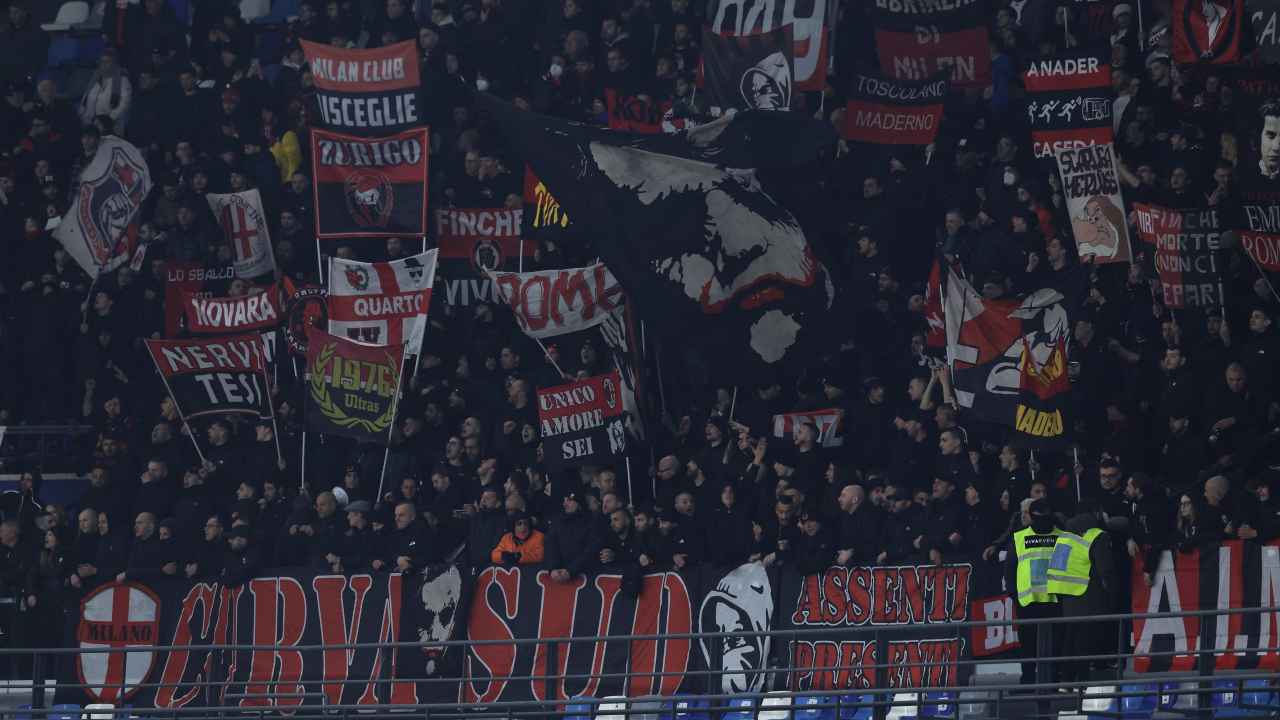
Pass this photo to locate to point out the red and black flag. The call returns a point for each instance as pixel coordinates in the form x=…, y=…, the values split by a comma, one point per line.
x=1008, y=360
x=1187, y=258
x=370, y=187
x=917, y=40
x=936, y=338
x=260, y=309
x=1068, y=101
x=748, y=72
x=809, y=22
x=366, y=92
x=352, y=389
x=582, y=422
x=1207, y=31
x=707, y=231
x=886, y=111
x=473, y=241
x=214, y=376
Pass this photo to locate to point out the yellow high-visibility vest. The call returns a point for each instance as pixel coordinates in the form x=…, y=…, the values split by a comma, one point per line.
x=1034, y=552
x=1069, y=567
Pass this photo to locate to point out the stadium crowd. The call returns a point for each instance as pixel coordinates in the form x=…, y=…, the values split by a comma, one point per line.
x=1176, y=419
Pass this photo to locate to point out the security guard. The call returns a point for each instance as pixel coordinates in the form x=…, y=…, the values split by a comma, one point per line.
x=1032, y=553
x=1082, y=575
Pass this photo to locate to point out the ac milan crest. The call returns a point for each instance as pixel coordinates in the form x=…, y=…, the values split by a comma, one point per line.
x=358, y=277
x=305, y=309
x=487, y=255
x=117, y=616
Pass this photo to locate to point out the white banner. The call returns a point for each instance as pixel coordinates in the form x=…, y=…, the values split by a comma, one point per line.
x=382, y=303
x=1091, y=186
x=554, y=302
x=244, y=226
x=96, y=231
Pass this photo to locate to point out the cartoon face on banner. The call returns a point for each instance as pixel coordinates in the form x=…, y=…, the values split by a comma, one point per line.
x=1044, y=326
x=1100, y=229
x=742, y=602
x=767, y=85
x=756, y=254
x=441, y=601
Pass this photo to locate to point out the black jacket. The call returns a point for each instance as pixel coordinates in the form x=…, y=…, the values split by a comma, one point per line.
x=730, y=539
x=574, y=543
x=861, y=532
x=487, y=529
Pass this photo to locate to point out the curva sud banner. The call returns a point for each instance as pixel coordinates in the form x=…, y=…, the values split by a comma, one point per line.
x=281, y=613
x=210, y=377
x=473, y=241
x=582, y=422
x=1234, y=574
x=912, y=607
x=917, y=40
x=370, y=187
x=382, y=303
x=1068, y=101
x=885, y=111
x=366, y=92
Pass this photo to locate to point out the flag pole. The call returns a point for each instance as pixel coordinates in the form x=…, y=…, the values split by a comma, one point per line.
x=319, y=264
x=395, y=405
x=733, y=403
x=550, y=359
x=1032, y=467
x=302, y=471
x=275, y=428
x=631, y=498
x=182, y=417
x=1261, y=273
x=1075, y=451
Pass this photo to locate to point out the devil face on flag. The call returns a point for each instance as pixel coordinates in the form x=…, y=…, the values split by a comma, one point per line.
x=705, y=241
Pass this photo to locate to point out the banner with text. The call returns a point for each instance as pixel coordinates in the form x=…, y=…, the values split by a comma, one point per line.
x=885, y=111
x=1187, y=244
x=1233, y=575
x=185, y=279
x=260, y=309
x=554, y=302
x=214, y=376
x=918, y=40
x=352, y=389
x=1068, y=101
x=473, y=241
x=382, y=303
x=244, y=227
x=366, y=91
x=1264, y=15
x=582, y=422
x=370, y=187
x=828, y=425
x=1091, y=186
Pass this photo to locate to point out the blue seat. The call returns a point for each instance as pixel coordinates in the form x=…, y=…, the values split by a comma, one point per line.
x=685, y=709
x=940, y=705
x=65, y=712
x=1139, y=706
x=62, y=51
x=849, y=709
x=1258, y=694
x=741, y=708
x=1256, y=699
x=579, y=711
x=806, y=708
x=23, y=712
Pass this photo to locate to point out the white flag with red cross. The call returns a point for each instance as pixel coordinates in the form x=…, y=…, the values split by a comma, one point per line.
x=125, y=619
x=244, y=226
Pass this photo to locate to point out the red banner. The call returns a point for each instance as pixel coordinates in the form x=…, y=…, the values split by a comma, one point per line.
x=182, y=280
x=256, y=311
x=370, y=187
x=885, y=111
x=372, y=91
x=1207, y=31
x=582, y=422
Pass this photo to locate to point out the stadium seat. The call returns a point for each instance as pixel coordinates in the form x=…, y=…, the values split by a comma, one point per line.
x=1138, y=706
x=22, y=712
x=99, y=711
x=71, y=14
x=65, y=712
x=1098, y=704
x=1257, y=699
x=579, y=711
x=686, y=709
x=777, y=705
x=904, y=707
x=850, y=710
x=740, y=708
x=807, y=708
x=612, y=708
x=940, y=705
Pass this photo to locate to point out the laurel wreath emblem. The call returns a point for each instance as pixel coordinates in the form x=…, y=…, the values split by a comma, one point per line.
x=331, y=410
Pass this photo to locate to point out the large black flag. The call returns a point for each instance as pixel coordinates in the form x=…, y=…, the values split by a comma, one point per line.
x=748, y=72
x=707, y=231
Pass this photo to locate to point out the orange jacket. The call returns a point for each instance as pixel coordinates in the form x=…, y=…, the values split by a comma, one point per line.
x=531, y=550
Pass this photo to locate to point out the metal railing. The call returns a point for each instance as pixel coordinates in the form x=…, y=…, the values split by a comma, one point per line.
x=1200, y=692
